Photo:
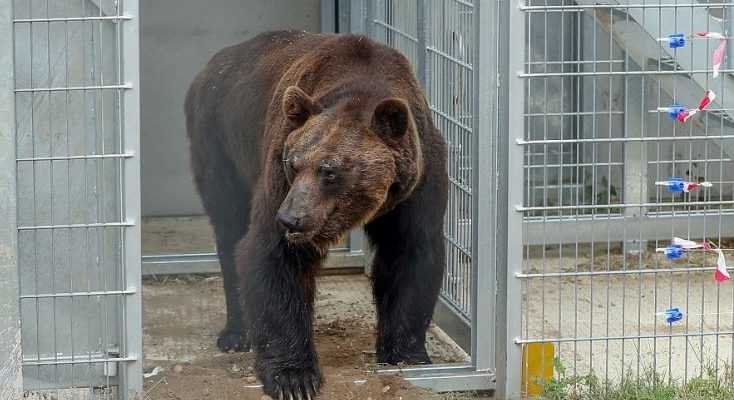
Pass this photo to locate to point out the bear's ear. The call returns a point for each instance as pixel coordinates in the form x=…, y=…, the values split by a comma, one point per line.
x=298, y=106
x=391, y=118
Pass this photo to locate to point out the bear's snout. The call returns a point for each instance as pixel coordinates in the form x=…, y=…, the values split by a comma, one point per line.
x=289, y=221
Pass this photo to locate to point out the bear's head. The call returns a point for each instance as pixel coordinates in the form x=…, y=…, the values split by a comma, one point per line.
x=344, y=164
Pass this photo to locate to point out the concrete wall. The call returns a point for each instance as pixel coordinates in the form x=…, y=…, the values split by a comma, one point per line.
x=178, y=38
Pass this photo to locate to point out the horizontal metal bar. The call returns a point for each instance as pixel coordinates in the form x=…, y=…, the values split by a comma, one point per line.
x=80, y=294
x=84, y=157
x=396, y=30
x=208, y=263
x=444, y=377
x=625, y=205
x=79, y=361
x=464, y=188
x=612, y=272
x=458, y=246
x=77, y=226
x=72, y=88
x=459, y=380
x=625, y=337
x=617, y=228
x=523, y=74
x=524, y=142
x=465, y=3
x=573, y=114
x=73, y=19
x=682, y=161
x=574, y=62
x=611, y=164
x=450, y=119
x=658, y=5
x=449, y=57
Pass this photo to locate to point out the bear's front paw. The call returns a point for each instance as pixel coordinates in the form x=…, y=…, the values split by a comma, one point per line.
x=292, y=383
x=233, y=340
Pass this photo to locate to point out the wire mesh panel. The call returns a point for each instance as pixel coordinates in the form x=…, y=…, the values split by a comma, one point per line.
x=437, y=37
x=77, y=194
x=598, y=143
x=450, y=91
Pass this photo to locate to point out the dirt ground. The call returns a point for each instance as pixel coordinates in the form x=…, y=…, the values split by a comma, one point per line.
x=183, y=315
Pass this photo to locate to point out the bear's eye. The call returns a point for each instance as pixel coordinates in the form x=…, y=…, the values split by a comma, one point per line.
x=290, y=170
x=328, y=175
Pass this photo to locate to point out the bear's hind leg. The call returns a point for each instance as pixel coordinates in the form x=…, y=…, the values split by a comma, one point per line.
x=407, y=274
x=227, y=202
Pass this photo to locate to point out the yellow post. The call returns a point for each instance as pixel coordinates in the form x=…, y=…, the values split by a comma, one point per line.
x=537, y=367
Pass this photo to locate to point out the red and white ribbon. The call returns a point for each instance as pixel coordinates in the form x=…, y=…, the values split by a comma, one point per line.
x=710, y=35
x=721, y=274
x=718, y=57
x=689, y=244
x=691, y=186
x=684, y=115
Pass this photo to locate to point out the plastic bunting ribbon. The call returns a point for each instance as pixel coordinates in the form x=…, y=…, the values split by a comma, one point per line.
x=679, y=246
x=718, y=57
x=678, y=185
x=678, y=40
x=682, y=114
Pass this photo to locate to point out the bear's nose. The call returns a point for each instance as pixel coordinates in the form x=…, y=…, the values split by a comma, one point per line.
x=292, y=223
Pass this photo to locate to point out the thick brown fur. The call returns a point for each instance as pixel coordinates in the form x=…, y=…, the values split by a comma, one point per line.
x=296, y=139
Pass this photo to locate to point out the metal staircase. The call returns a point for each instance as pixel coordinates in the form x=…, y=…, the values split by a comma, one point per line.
x=682, y=72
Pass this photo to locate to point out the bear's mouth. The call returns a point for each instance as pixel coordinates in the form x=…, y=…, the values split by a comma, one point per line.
x=298, y=237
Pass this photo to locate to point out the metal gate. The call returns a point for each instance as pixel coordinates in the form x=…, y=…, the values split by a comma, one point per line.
x=78, y=192
x=590, y=87
x=442, y=41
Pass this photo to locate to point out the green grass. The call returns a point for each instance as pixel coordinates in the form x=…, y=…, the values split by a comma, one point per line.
x=648, y=386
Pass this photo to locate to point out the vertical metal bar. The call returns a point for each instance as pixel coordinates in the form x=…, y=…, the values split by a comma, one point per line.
x=11, y=378
x=421, y=26
x=132, y=374
x=328, y=16
x=509, y=226
x=358, y=16
x=484, y=195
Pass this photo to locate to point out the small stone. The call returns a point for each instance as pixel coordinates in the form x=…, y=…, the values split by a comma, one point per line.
x=178, y=368
x=386, y=389
x=266, y=397
x=206, y=391
x=251, y=379
x=236, y=368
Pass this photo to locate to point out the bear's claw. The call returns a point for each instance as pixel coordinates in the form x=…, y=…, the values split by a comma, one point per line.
x=293, y=384
x=232, y=341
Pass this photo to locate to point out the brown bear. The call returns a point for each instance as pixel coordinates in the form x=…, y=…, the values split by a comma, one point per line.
x=296, y=139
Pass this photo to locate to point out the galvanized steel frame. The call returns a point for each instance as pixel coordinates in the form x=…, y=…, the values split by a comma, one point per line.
x=11, y=378
x=122, y=46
